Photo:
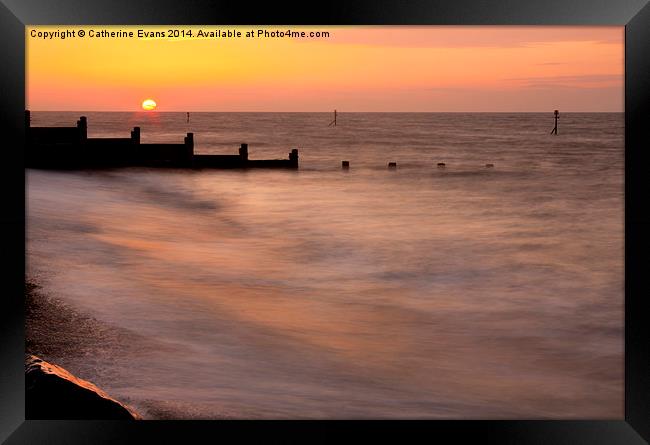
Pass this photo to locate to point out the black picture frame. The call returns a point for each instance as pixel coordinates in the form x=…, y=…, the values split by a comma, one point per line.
x=633, y=14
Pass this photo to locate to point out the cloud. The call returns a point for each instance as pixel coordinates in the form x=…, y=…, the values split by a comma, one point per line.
x=570, y=81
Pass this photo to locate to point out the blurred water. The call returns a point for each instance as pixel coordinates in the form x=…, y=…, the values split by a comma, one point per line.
x=462, y=292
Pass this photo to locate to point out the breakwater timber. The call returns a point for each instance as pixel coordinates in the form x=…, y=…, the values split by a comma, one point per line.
x=71, y=148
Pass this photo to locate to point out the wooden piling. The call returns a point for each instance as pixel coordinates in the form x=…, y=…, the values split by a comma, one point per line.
x=82, y=125
x=189, y=145
x=243, y=152
x=333, y=123
x=345, y=165
x=441, y=165
x=556, y=114
x=293, y=157
x=392, y=165
x=135, y=135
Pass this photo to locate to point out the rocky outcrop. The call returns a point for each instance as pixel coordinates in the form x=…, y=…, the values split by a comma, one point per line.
x=54, y=393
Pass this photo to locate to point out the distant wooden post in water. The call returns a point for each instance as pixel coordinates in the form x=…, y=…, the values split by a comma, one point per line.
x=557, y=116
x=334, y=121
x=392, y=165
x=345, y=165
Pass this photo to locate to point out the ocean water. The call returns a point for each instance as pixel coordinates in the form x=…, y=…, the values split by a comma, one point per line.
x=423, y=292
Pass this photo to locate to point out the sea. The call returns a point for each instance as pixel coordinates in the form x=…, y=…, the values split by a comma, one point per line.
x=422, y=292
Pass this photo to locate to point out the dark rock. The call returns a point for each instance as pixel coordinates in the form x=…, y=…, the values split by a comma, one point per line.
x=51, y=392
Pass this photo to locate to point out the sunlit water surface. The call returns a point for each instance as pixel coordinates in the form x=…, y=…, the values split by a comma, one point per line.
x=463, y=292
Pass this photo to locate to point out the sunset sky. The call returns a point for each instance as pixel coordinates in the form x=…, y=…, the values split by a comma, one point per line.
x=357, y=68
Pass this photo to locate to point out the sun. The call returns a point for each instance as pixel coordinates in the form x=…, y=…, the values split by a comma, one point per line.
x=149, y=104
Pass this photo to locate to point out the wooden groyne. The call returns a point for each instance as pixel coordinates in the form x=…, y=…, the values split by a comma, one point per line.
x=71, y=148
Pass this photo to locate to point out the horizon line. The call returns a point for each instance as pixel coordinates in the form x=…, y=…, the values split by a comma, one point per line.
x=324, y=112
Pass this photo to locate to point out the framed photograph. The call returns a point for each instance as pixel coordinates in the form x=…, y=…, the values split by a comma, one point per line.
x=269, y=223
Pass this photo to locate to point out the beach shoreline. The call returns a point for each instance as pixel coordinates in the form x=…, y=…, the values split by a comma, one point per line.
x=64, y=336
x=59, y=335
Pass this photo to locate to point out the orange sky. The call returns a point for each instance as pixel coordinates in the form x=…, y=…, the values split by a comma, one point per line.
x=358, y=68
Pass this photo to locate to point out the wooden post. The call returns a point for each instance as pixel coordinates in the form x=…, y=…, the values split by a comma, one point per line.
x=243, y=152
x=392, y=165
x=345, y=165
x=189, y=145
x=82, y=125
x=557, y=116
x=135, y=135
x=293, y=156
x=334, y=121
